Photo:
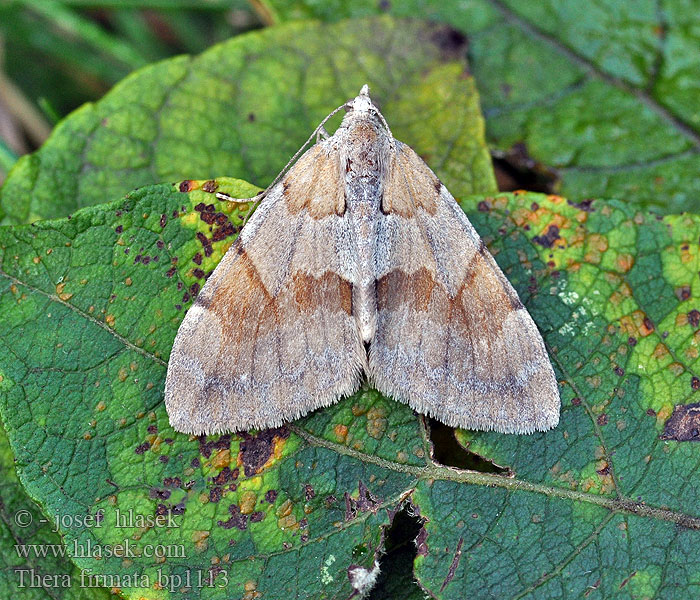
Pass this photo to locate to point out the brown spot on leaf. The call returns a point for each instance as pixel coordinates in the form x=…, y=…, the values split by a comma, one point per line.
x=237, y=520
x=366, y=501
x=215, y=494
x=549, y=238
x=694, y=318
x=604, y=470
x=206, y=448
x=585, y=205
x=648, y=325
x=208, y=218
x=225, y=476
x=186, y=186
x=683, y=292
x=626, y=580
x=141, y=448
x=309, y=492
x=223, y=232
x=256, y=450
x=453, y=566
x=350, y=507
x=210, y=186
x=684, y=424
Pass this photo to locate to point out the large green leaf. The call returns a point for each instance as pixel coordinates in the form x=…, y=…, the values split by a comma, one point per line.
x=34, y=564
x=242, y=108
x=604, y=93
x=600, y=505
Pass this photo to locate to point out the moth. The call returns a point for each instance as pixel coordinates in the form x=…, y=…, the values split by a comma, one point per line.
x=359, y=262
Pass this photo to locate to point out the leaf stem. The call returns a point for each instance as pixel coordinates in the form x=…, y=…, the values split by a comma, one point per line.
x=433, y=471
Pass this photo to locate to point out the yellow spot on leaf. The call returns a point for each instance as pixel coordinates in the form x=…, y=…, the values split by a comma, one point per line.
x=376, y=422
x=61, y=294
x=221, y=459
x=109, y=319
x=625, y=262
x=284, y=509
x=36, y=260
x=660, y=352
x=251, y=592
x=248, y=500
x=288, y=522
x=358, y=410
x=676, y=368
x=341, y=432
x=189, y=218
x=201, y=540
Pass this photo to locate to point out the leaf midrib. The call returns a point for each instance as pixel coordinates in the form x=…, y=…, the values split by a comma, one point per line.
x=434, y=471
x=86, y=316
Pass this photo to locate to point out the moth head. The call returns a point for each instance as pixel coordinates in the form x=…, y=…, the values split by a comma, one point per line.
x=362, y=106
x=362, y=103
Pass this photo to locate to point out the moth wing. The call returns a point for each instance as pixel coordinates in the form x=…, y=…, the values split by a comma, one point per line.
x=271, y=335
x=452, y=339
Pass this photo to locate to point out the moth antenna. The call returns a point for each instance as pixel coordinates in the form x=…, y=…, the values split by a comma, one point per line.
x=386, y=125
x=320, y=131
x=251, y=209
x=292, y=160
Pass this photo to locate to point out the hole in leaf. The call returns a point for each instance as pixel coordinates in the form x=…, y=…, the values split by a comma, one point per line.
x=517, y=170
x=448, y=451
x=396, y=565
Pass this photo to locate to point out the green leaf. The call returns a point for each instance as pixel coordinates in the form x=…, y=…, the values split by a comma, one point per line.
x=242, y=108
x=604, y=94
x=91, y=305
x=30, y=569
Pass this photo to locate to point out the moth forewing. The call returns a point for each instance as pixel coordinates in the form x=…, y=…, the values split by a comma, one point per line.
x=359, y=246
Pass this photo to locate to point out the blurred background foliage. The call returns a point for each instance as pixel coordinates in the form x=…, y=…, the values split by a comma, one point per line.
x=55, y=56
